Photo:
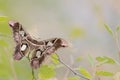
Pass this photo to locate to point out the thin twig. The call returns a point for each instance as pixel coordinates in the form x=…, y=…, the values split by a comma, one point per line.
x=33, y=73
x=75, y=73
x=68, y=71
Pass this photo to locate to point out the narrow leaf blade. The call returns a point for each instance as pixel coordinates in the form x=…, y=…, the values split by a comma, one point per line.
x=118, y=28
x=108, y=29
x=3, y=18
x=55, y=59
x=105, y=59
x=73, y=78
x=84, y=72
x=91, y=60
x=104, y=73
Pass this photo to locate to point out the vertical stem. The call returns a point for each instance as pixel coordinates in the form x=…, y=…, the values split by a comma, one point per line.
x=117, y=43
x=33, y=73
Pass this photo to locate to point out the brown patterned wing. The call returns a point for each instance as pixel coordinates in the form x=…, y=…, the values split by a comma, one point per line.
x=37, y=49
x=19, y=35
x=18, y=32
x=49, y=47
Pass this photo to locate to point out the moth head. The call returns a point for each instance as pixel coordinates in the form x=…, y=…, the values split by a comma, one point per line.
x=14, y=24
x=61, y=43
x=17, y=29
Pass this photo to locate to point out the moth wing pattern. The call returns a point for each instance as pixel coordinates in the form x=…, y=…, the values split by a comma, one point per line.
x=51, y=45
x=18, y=34
x=38, y=49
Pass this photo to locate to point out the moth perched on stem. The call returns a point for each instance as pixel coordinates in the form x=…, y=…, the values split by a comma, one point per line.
x=34, y=49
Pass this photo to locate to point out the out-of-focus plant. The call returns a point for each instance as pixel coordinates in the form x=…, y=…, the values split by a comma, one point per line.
x=76, y=32
x=115, y=36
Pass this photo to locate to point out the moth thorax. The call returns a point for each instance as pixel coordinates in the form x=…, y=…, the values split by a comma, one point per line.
x=22, y=33
x=42, y=48
x=49, y=44
x=23, y=47
x=38, y=53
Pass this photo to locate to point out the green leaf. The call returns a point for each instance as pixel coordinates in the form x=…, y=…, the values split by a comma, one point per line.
x=73, y=78
x=3, y=43
x=4, y=28
x=110, y=60
x=3, y=18
x=104, y=73
x=76, y=32
x=46, y=72
x=55, y=58
x=84, y=72
x=105, y=59
x=78, y=59
x=100, y=59
x=118, y=28
x=91, y=60
x=108, y=29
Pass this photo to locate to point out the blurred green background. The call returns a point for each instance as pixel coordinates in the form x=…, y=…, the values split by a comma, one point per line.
x=81, y=22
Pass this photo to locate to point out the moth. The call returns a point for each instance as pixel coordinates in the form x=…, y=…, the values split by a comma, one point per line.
x=36, y=50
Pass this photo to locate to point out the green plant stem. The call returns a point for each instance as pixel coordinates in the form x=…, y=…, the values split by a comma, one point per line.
x=117, y=42
x=33, y=73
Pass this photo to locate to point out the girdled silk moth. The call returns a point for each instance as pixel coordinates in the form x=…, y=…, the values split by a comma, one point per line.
x=36, y=50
